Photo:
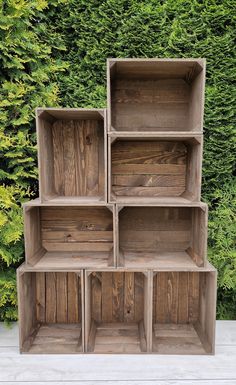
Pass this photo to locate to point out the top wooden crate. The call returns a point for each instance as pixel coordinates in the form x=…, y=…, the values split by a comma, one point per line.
x=155, y=95
x=72, y=155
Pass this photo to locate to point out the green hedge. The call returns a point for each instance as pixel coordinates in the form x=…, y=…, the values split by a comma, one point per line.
x=53, y=53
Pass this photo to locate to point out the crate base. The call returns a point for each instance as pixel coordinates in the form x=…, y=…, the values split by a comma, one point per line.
x=176, y=339
x=75, y=260
x=118, y=338
x=162, y=260
x=56, y=338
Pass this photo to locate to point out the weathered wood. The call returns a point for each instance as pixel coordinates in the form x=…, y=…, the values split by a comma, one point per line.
x=51, y=311
x=71, y=154
x=155, y=95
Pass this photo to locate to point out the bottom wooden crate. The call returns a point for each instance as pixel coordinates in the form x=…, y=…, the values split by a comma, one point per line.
x=50, y=311
x=116, y=312
x=184, y=306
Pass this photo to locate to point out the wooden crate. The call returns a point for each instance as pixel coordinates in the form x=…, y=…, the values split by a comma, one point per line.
x=155, y=94
x=50, y=311
x=160, y=237
x=72, y=237
x=72, y=154
x=154, y=169
x=184, y=311
x=117, y=314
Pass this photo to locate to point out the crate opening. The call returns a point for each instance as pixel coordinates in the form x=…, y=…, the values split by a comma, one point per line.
x=79, y=236
x=155, y=169
x=71, y=155
x=116, y=311
x=160, y=237
x=157, y=96
x=183, y=312
x=51, y=315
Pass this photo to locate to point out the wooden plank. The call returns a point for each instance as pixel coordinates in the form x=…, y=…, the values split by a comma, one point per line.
x=160, y=169
x=151, y=152
x=148, y=180
x=96, y=292
x=58, y=154
x=172, y=296
x=81, y=236
x=77, y=246
x=51, y=304
x=69, y=158
x=183, y=298
x=148, y=191
x=118, y=296
x=139, y=297
x=107, y=297
x=74, y=300
x=193, y=296
x=161, y=298
x=129, y=298
x=40, y=297
x=91, y=158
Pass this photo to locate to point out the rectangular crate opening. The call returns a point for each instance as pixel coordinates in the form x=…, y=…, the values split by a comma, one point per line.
x=79, y=236
x=160, y=237
x=156, y=95
x=50, y=309
x=116, y=312
x=72, y=159
x=155, y=169
x=184, y=312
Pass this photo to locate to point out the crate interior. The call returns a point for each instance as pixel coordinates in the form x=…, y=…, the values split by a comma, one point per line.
x=156, y=96
x=155, y=169
x=162, y=237
x=79, y=237
x=183, y=312
x=51, y=315
x=72, y=155
x=116, y=312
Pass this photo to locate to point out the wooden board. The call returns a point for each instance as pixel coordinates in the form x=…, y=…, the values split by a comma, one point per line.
x=148, y=168
x=57, y=339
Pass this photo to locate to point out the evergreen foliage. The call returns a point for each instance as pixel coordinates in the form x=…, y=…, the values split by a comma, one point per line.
x=53, y=53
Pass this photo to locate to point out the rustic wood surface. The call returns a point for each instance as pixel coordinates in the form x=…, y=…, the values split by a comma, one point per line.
x=16, y=369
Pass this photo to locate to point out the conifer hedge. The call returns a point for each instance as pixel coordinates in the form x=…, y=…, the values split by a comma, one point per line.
x=53, y=53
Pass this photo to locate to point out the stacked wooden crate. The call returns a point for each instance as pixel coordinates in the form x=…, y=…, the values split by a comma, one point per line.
x=116, y=245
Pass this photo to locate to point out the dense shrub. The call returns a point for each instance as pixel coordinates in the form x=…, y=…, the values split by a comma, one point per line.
x=54, y=53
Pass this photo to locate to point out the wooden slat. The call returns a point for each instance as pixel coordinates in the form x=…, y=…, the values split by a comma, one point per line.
x=61, y=297
x=139, y=297
x=51, y=303
x=193, y=296
x=40, y=297
x=160, y=169
x=69, y=158
x=58, y=153
x=172, y=296
x=118, y=296
x=148, y=180
x=96, y=298
x=77, y=246
x=81, y=236
x=74, y=300
x=183, y=298
x=148, y=191
x=107, y=297
x=129, y=297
